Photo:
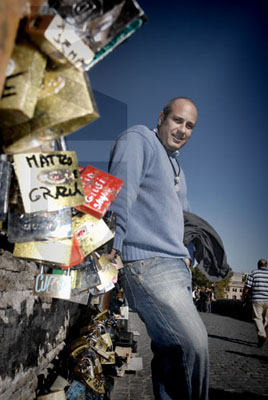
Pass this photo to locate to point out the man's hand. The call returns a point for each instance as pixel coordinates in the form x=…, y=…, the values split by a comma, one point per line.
x=244, y=294
x=111, y=256
x=114, y=258
x=188, y=262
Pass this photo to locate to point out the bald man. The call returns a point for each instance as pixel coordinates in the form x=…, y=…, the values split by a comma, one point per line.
x=149, y=237
x=257, y=281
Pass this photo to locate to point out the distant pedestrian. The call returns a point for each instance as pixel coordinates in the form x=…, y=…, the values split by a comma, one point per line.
x=202, y=306
x=257, y=283
x=208, y=299
x=196, y=295
x=213, y=291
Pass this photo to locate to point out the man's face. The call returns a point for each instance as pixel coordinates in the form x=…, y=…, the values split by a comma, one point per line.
x=176, y=129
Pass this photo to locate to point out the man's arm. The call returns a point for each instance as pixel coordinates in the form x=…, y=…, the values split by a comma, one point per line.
x=247, y=288
x=130, y=159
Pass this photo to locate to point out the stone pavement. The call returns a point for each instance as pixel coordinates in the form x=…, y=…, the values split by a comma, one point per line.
x=238, y=368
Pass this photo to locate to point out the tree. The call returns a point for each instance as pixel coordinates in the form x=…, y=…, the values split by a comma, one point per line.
x=199, y=280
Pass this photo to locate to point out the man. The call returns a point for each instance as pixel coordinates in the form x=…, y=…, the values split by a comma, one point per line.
x=257, y=282
x=149, y=235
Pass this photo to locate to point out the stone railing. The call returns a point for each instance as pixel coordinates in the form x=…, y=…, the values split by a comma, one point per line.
x=32, y=329
x=232, y=308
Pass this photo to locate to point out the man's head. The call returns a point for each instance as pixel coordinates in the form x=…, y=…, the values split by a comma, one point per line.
x=262, y=263
x=176, y=122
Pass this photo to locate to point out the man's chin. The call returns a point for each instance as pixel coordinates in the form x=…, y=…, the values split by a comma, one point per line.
x=178, y=146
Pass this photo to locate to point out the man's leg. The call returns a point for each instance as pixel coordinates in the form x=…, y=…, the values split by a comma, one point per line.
x=258, y=317
x=265, y=314
x=159, y=289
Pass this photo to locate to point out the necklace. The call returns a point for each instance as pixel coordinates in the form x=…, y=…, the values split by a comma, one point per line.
x=176, y=175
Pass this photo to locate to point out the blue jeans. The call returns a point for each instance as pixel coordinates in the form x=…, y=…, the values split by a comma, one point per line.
x=159, y=290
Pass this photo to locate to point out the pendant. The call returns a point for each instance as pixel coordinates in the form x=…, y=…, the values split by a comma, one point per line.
x=176, y=183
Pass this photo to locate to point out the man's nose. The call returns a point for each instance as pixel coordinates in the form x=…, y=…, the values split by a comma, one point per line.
x=182, y=130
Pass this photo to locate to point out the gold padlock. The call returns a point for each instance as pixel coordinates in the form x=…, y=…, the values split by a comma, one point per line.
x=94, y=383
x=66, y=103
x=108, y=273
x=25, y=72
x=51, y=251
x=111, y=359
x=49, y=181
x=90, y=232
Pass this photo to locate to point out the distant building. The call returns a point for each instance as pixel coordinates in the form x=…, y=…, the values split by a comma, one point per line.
x=235, y=289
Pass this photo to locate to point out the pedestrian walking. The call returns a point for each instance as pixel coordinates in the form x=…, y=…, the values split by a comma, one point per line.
x=257, y=283
x=149, y=237
x=208, y=299
x=196, y=295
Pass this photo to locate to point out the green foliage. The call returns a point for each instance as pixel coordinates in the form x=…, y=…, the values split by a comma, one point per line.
x=199, y=280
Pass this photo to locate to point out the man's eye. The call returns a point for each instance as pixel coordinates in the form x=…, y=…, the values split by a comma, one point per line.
x=189, y=126
x=178, y=120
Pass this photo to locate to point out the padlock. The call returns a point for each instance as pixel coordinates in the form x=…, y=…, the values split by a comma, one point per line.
x=110, y=220
x=101, y=344
x=90, y=232
x=48, y=181
x=86, y=277
x=41, y=225
x=59, y=40
x=86, y=365
x=25, y=72
x=93, y=383
x=87, y=330
x=107, y=271
x=106, y=337
x=57, y=251
x=111, y=359
x=5, y=180
x=100, y=327
x=102, y=316
x=65, y=104
x=87, y=273
x=101, y=25
x=98, y=367
x=100, y=352
x=100, y=190
x=78, y=347
x=85, y=370
x=52, y=285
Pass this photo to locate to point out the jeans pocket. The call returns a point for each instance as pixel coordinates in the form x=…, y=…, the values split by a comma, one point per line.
x=188, y=268
x=142, y=266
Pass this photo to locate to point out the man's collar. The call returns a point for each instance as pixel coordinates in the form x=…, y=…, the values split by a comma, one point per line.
x=172, y=154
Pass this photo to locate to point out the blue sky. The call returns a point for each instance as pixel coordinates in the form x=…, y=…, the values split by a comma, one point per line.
x=215, y=54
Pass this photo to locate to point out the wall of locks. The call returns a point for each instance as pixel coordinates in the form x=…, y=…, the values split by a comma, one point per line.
x=55, y=223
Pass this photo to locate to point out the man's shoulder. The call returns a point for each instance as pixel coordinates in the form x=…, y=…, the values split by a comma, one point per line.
x=138, y=131
x=260, y=272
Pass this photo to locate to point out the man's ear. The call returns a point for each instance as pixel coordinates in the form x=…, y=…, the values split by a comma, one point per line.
x=160, y=118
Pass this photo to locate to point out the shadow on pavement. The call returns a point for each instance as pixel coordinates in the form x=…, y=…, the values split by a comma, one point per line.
x=238, y=341
x=216, y=394
x=261, y=358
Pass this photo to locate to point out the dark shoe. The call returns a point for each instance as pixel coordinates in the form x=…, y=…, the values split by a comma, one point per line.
x=261, y=341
